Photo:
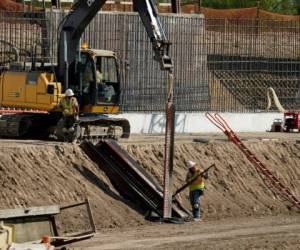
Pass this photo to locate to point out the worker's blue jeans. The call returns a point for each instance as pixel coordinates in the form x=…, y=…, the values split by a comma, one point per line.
x=195, y=202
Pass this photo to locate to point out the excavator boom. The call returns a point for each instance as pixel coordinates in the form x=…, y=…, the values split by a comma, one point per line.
x=81, y=14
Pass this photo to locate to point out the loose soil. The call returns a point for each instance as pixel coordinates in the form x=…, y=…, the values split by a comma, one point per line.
x=43, y=173
x=11, y=5
x=251, y=233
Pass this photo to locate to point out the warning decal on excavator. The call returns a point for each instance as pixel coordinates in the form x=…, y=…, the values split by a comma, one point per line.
x=14, y=94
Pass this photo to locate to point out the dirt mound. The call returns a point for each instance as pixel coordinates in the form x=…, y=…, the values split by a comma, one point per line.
x=11, y=5
x=223, y=13
x=244, y=13
x=39, y=173
x=235, y=188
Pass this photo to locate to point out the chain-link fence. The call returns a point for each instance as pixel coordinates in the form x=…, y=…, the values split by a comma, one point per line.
x=219, y=64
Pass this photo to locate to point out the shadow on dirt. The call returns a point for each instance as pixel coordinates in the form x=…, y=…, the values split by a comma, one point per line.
x=92, y=178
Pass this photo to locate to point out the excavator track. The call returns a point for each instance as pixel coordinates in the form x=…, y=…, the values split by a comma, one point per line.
x=10, y=126
x=22, y=125
x=104, y=126
x=50, y=126
x=94, y=128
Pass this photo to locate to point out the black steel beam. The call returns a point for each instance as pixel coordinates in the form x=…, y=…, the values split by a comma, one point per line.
x=176, y=6
x=129, y=178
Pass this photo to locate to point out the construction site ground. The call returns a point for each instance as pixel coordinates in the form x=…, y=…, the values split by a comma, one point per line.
x=280, y=232
x=239, y=210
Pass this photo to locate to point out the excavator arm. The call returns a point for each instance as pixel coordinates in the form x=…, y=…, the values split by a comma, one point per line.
x=152, y=24
x=81, y=14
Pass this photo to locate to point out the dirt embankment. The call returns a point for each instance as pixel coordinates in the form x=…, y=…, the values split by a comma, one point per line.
x=34, y=174
x=234, y=188
x=38, y=173
x=12, y=5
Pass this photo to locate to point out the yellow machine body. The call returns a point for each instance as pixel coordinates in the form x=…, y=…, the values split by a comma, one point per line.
x=29, y=90
x=38, y=91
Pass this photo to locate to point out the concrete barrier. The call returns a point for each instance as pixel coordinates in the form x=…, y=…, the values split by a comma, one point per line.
x=198, y=123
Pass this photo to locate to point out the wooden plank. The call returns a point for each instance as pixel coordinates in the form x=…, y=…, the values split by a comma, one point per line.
x=29, y=212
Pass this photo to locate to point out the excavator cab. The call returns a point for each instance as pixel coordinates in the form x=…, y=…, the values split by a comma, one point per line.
x=99, y=81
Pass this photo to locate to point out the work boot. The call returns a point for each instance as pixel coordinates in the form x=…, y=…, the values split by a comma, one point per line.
x=197, y=219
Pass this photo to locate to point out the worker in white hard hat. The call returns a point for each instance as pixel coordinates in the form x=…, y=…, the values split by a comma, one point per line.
x=70, y=109
x=196, y=187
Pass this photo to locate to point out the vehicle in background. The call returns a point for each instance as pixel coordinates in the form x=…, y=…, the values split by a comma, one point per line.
x=291, y=118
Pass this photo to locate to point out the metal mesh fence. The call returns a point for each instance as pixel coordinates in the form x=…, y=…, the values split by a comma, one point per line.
x=245, y=57
x=219, y=64
x=23, y=36
x=144, y=84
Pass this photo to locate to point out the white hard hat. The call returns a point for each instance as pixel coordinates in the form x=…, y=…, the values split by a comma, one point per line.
x=191, y=164
x=69, y=92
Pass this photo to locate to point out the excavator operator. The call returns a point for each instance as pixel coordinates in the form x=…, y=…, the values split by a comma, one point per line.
x=70, y=110
x=105, y=92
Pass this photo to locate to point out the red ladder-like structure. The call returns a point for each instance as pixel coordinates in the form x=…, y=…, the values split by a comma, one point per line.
x=220, y=123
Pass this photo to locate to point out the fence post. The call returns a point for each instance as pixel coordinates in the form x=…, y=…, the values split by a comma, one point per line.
x=199, y=3
x=257, y=15
x=257, y=8
x=176, y=6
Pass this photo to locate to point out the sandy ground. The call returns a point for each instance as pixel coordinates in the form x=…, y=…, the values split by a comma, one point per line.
x=252, y=233
x=44, y=173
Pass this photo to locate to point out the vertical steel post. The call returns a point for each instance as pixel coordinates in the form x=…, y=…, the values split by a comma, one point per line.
x=257, y=8
x=66, y=77
x=199, y=6
x=78, y=65
x=176, y=6
x=169, y=150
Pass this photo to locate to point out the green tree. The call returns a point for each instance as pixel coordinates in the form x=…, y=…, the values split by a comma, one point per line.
x=289, y=7
x=225, y=4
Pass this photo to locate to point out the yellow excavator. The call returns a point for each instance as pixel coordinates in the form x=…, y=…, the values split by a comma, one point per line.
x=31, y=96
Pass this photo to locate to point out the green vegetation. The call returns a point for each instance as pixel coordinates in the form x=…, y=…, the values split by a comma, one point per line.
x=223, y=4
x=288, y=7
